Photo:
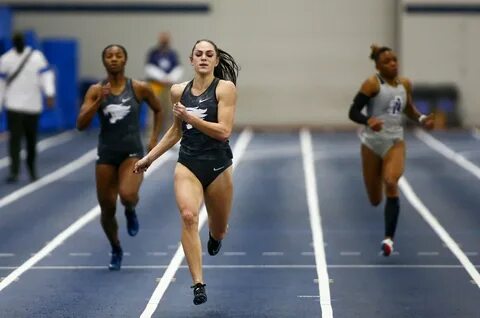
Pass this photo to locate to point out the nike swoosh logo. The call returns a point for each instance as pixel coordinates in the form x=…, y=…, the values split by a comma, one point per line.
x=204, y=100
x=216, y=169
x=124, y=100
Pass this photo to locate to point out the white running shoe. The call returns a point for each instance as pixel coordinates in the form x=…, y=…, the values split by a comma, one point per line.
x=387, y=247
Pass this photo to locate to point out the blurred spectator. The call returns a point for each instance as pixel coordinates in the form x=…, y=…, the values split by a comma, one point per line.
x=24, y=74
x=163, y=69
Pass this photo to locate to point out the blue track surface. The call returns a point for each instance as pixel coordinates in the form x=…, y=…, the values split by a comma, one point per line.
x=267, y=266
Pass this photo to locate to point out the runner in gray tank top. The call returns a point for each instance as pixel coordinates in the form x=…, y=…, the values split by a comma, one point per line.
x=204, y=112
x=388, y=97
x=117, y=101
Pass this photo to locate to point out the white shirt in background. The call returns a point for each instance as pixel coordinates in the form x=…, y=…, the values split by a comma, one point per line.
x=24, y=94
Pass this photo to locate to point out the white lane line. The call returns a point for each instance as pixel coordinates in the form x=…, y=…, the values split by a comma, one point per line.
x=72, y=229
x=49, y=178
x=428, y=253
x=438, y=228
x=442, y=149
x=308, y=254
x=316, y=223
x=350, y=253
x=272, y=253
x=238, y=151
x=157, y=253
x=43, y=145
x=7, y=254
x=246, y=267
x=80, y=254
x=234, y=253
x=471, y=253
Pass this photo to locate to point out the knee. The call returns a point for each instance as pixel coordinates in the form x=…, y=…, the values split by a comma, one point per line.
x=128, y=198
x=375, y=201
x=391, y=184
x=189, y=217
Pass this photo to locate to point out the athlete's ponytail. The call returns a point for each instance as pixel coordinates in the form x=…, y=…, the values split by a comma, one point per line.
x=227, y=68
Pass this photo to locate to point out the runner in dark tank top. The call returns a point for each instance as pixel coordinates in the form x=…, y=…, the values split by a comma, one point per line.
x=120, y=121
x=117, y=102
x=194, y=142
x=204, y=111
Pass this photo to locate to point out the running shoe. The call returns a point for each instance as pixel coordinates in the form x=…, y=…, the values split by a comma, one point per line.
x=213, y=245
x=387, y=247
x=199, y=294
x=116, y=259
x=132, y=222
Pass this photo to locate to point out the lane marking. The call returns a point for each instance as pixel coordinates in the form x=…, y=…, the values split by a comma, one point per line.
x=259, y=266
x=49, y=178
x=445, y=151
x=273, y=253
x=80, y=254
x=438, y=228
x=238, y=151
x=73, y=228
x=428, y=253
x=350, y=253
x=234, y=253
x=316, y=223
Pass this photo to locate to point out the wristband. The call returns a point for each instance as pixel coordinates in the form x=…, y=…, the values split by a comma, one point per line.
x=421, y=118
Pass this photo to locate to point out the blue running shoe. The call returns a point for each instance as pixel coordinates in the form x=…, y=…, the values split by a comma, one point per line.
x=213, y=245
x=132, y=222
x=199, y=294
x=116, y=260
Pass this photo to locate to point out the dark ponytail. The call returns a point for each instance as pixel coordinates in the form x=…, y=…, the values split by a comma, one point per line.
x=227, y=68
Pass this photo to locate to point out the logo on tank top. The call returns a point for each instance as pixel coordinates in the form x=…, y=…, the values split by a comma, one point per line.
x=395, y=105
x=197, y=112
x=116, y=112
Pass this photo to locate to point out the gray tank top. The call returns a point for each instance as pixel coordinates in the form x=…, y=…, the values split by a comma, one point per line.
x=119, y=121
x=388, y=105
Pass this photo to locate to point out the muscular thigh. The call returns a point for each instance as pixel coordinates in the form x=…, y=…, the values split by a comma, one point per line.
x=128, y=181
x=188, y=190
x=394, y=161
x=107, y=183
x=371, y=166
x=219, y=195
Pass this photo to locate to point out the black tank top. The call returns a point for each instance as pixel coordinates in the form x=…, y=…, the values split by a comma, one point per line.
x=194, y=142
x=119, y=121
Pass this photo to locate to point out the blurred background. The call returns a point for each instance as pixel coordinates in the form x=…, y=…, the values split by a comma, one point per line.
x=302, y=61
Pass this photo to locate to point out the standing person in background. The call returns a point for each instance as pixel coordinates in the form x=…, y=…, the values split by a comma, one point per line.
x=204, y=110
x=387, y=96
x=162, y=69
x=24, y=75
x=117, y=101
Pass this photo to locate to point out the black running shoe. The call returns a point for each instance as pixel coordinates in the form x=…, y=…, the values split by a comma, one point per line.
x=132, y=222
x=116, y=260
x=199, y=294
x=213, y=245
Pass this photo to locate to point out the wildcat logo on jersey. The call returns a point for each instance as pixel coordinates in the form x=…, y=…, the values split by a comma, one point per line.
x=197, y=112
x=116, y=111
x=396, y=104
